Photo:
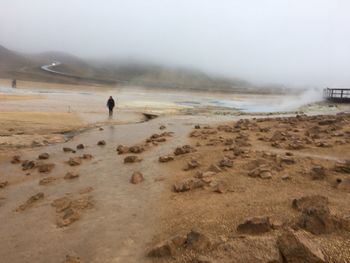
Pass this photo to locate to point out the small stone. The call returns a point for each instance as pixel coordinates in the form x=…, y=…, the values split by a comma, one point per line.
x=162, y=127
x=121, y=149
x=74, y=161
x=221, y=187
x=136, y=178
x=16, y=159
x=26, y=165
x=3, y=184
x=101, y=143
x=44, y=156
x=198, y=241
x=47, y=180
x=45, y=167
x=188, y=184
x=30, y=201
x=71, y=175
x=165, y=158
x=80, y=146
x=131, y=159
x=67, y=149
x=255, y=225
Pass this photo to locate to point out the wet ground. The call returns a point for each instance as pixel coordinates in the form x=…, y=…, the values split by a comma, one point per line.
x=123, y=219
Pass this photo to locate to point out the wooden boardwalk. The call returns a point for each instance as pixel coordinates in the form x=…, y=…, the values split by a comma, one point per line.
x=337, y=95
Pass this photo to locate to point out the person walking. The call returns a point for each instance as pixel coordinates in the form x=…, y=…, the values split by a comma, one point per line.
x=110, y=105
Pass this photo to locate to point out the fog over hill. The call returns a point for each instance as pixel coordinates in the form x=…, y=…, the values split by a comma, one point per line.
x=127, y=73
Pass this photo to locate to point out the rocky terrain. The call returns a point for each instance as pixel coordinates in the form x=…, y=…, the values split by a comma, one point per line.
x=176, y=189
x=259, y=190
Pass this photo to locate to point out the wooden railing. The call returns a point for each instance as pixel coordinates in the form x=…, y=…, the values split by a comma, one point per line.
x=337, y=95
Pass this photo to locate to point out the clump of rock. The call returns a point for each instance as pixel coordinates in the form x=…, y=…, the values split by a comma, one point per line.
x=136, y=178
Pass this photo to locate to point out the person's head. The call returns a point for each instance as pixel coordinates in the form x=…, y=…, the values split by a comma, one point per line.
x=110, y=97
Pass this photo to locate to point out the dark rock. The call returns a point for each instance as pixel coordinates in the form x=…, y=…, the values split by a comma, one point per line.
x=121, y=149
x=44, y=156
x=297, y=247
x=16, y=159
x=80, y=146
x=131, y=159
x=309, y=201
x=3, y=184
x=166, y=158
x=67, y=149
x=74, y=161
x=198, y=241
x=101, y=143
x=255, y=225
x=45, y=167
x=184, y=149
x=188, y=184
x=26, y=165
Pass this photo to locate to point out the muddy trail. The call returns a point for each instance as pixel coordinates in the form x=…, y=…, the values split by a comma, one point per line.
x=116, y=219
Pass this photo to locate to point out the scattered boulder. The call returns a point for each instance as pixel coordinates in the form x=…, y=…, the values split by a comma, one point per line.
x=47, y=180
x=69, y=216
x=44, y=156
x=26, y=165
x=220, y=187
x=262, y=171
x=136, y=178
x=255, y=225
x=68, y=149
x=45, y=167
x=71, y=175
x=197, y=126
x=61, y=204
x=121, y=149
x=131, y=159
x=136, y=149
x=74, y=161
x=192, y=164
x=162, y=127
x=16, y=159
x=184, y=149
x=165, y=158
x=167, y=248
x=226, y=162
x=80, y=146
x=198, y=241
x=206, y=174
x=309, y=201
x=3, y=184
x=188, y=184
x=317, y=220
x=29, y=203
x=299, y=248
x=101, y=143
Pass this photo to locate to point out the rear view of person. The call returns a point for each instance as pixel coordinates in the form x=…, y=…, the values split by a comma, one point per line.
x=110, y=105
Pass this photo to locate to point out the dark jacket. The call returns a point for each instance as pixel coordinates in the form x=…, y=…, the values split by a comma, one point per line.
x=110, y=103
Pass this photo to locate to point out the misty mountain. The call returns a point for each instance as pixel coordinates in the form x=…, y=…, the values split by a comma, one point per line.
x=28, y=67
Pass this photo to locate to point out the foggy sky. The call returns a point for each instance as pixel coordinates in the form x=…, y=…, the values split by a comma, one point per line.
x=295, y=42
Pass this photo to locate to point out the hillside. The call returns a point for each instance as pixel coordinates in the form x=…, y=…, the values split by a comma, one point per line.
x=28, y=67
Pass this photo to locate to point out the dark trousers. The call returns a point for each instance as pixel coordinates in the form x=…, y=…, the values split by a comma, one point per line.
x=110, y=111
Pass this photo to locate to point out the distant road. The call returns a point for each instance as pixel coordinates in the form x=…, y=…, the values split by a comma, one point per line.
x=50, y=68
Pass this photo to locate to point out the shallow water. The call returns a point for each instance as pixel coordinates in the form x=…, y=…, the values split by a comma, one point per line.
x=156, y=100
